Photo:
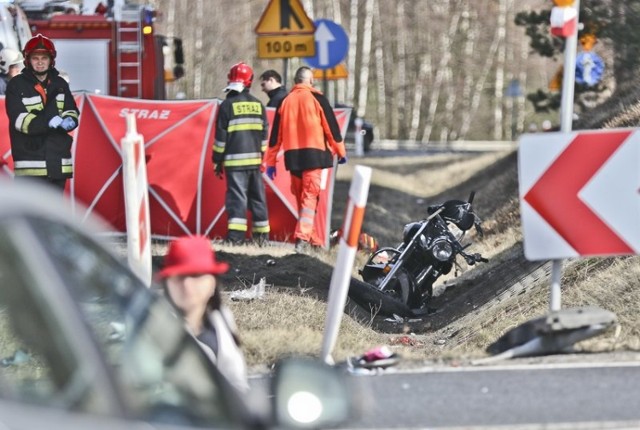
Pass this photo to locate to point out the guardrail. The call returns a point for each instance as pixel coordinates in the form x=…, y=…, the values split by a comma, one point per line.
x=456, y=145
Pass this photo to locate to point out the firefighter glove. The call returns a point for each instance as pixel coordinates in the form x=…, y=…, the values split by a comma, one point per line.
x=271, y=172
x=68, y=124
x=219, y=169
x=55, y=121
x=342, y=160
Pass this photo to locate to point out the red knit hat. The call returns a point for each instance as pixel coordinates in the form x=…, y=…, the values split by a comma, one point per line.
x=191, y=255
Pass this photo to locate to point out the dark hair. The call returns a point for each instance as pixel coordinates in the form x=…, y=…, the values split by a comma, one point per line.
x=300, y=74
x=268, y=74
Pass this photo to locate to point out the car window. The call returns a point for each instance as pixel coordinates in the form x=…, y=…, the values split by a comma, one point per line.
x=36, y=365
x=164, y=373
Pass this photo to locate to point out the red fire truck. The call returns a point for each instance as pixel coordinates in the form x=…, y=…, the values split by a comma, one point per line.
x=113, y=50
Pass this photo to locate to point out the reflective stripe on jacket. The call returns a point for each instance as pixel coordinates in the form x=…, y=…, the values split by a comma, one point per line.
x=241, y=132
x=38, y=150
x=306, y=128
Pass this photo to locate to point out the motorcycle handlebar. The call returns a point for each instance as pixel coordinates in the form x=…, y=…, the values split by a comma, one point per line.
x=472, y=259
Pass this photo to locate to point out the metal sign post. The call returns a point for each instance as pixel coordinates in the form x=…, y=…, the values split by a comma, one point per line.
x=561, y=177
x=566, y=119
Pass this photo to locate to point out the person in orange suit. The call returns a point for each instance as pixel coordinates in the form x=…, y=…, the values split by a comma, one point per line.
x=306, y=128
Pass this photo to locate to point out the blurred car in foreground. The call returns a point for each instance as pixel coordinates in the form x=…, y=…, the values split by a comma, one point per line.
x=84, y=344
x=366, y=131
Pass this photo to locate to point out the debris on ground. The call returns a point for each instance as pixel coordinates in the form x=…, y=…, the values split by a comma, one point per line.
x=255, y=292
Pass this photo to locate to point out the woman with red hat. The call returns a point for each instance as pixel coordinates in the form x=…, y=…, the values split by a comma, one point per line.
x=189, y=277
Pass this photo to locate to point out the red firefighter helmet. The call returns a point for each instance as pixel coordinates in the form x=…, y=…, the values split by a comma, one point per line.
x=240, y=77
x=39, y=44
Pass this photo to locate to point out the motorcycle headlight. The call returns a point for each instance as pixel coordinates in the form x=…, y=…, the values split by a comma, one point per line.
x=442, y=249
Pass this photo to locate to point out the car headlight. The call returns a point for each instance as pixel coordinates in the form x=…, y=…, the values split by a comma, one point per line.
x=442, y=249
x=310, y=394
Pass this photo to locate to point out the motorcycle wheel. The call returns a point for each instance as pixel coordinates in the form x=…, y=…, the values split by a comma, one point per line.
x=400, y=287
x=378, y=302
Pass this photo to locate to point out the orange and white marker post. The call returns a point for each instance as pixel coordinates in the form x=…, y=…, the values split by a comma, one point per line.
x=341, y=276
x=136, y=200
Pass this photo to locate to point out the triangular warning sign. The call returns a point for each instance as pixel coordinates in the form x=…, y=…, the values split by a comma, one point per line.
x=283, y=17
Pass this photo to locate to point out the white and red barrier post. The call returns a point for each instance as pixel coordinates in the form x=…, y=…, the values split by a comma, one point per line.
x=136, y=200
x=341, y=276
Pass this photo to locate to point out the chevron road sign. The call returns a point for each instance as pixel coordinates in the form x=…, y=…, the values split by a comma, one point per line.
x=580, y=193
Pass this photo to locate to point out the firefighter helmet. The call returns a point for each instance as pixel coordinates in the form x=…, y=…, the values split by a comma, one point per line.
x=9, y=57
x=39, y=44
x=240, y=77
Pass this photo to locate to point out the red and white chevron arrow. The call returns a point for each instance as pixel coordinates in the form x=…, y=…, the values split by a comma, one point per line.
x=580, y=193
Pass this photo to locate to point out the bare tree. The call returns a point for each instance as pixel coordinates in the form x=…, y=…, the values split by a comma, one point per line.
x=366, y=54
x=470, y=27
x=399, y=100
x=353, y=48
x=417, y=68
x=380, y=70
x=500, y=66
x=449, y=106
x=445, y=45
x=479, y=85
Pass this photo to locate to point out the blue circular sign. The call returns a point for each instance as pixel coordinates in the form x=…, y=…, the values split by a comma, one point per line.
x=589, y=68
x=332, y=44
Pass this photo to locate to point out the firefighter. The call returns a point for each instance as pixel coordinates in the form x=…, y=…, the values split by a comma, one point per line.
x=240, y=143
x=11, y=63
x=306, y=128
x=42, y=112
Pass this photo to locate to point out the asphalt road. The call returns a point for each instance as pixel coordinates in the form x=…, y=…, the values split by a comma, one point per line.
x=593, y=396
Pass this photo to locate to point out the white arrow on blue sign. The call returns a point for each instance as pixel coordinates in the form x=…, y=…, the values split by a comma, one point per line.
x=332, y=44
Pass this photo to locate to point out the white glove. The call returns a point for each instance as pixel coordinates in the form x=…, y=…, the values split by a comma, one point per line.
x=68, y=123
x=55, y=122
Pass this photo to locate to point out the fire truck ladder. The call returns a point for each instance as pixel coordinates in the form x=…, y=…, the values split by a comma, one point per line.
x=129, y=52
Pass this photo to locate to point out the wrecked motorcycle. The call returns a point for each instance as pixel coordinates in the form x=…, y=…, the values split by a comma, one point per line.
x=400, y=280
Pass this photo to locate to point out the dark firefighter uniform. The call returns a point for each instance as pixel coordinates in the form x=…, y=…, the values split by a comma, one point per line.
x=241, y=140
x=38, y=150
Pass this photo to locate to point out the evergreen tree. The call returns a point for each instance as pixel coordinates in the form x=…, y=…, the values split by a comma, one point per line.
x=613, y=22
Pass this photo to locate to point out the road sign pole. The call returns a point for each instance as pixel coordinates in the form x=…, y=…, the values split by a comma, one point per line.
x=285, y=70
x=569, y=77
x=566, y=120
x=325, y=83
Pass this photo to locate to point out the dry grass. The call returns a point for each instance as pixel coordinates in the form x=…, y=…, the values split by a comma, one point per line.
x=610, y=284
x=419, y=176
x=290, y=319
x=287, y=323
